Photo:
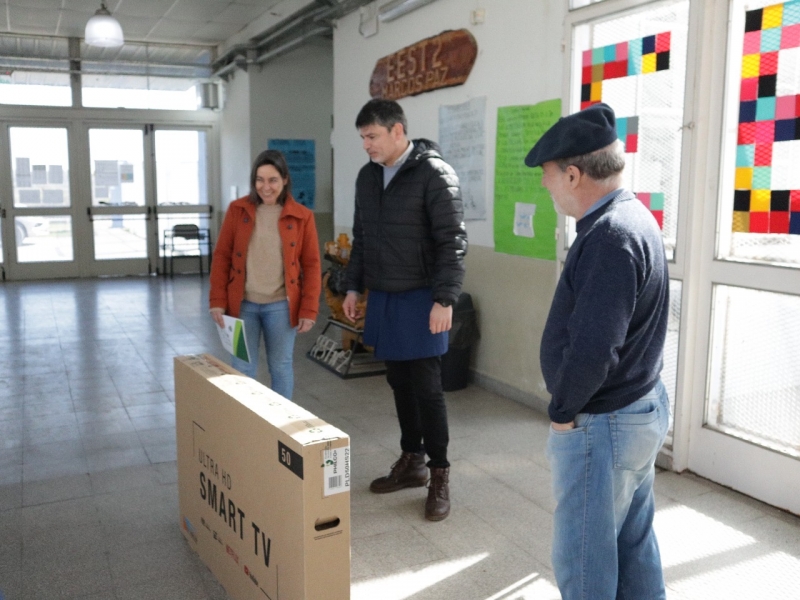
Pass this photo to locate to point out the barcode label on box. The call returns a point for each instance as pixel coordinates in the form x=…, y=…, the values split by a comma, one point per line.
x=336, y=463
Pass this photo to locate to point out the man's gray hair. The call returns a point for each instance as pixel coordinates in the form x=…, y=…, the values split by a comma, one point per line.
x=600, y=164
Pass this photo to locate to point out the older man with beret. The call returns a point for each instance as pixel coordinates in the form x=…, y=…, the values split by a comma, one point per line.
x=601, y=357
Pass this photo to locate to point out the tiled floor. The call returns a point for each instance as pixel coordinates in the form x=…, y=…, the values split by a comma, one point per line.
x=88, y=499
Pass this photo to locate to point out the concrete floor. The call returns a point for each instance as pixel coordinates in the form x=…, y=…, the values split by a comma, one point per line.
x=88, y=497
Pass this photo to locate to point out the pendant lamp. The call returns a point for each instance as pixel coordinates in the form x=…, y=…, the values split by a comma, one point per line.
x=103, y=29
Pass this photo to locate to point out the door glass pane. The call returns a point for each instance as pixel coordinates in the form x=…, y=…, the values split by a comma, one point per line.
x=36, y=88
x=43, y=238
x=167, y=221
x=40, y=167
x=117, y=157
x=119, y=236
x=636, y=63
x=760, y=187
x=754, y=381
x=136, y=91
x=181, y=169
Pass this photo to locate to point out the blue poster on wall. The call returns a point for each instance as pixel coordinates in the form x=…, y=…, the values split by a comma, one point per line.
x=301, y=160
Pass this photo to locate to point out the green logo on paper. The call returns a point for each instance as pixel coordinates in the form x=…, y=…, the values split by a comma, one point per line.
x=239, y=345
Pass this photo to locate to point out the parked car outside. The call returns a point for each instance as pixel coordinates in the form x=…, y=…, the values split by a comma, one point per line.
x=25, y=227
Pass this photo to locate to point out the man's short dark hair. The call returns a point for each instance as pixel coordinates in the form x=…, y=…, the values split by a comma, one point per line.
x=386, y=113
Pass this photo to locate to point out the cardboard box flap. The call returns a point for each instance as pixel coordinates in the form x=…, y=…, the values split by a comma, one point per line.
x=301, y=425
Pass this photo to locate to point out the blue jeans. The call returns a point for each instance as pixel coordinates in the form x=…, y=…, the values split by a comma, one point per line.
x=271, y=320
x=604, y=546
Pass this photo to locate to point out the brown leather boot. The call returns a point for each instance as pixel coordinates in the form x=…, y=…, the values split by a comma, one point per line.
x=408, y=471
x=437, y=506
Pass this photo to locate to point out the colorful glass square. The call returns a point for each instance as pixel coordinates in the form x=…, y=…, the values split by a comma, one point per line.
x=768, y=64
x=752, y=20
x=772, y=16
x=770, y=40
x=759, y=201
x=752, y=42
x=657, y=201
x=759, y=222
x=663, y=42
x=751, y=64
x=765, y=132
x=779, y=200
x=762, y=178
x=765, y=109
x=744, y=178
x=763, y=155
x=778, y=222
x=794, y=201
x=745, y=155
x=784, y=130
x=747, y=133
x=749, y=89
x=790, y=36
x=791, y=13
x=785, y=107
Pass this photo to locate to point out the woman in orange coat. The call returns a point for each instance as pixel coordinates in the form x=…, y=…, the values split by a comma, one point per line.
x=266, y=269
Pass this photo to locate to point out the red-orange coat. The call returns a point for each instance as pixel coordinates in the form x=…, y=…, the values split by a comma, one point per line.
x=301, y=262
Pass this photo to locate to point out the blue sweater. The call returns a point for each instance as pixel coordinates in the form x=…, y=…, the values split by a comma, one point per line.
x=603, y=343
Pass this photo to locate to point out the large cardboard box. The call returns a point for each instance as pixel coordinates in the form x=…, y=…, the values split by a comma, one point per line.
x=264, y=486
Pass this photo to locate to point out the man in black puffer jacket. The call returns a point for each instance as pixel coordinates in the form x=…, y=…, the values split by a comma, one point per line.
x=409, y=243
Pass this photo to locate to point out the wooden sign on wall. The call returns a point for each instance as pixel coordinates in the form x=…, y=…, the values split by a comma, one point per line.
x=440, y=61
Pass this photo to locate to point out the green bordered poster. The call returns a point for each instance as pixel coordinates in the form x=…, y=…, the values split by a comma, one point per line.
x=524, y=218
x=233, y=338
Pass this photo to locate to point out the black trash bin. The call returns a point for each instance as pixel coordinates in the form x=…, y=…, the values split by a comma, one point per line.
x=463, y=335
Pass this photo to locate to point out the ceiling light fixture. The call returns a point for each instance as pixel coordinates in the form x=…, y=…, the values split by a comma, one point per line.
x=397, y=8
x=103, y=29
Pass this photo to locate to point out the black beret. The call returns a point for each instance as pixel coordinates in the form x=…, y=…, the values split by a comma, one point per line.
x=581, y=133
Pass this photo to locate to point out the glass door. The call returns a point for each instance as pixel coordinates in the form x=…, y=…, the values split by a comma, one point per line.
x=38, y=213
x=145, y=181
x=120, y=214
x=745, y=422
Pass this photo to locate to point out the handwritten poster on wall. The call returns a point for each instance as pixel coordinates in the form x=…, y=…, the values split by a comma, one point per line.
x=301, y=159
x=462, y=138
x=518, y=230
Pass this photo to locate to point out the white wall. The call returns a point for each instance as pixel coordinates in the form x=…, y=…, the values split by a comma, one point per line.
x=519, y=62
x=235, y=137
x=292, y=98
